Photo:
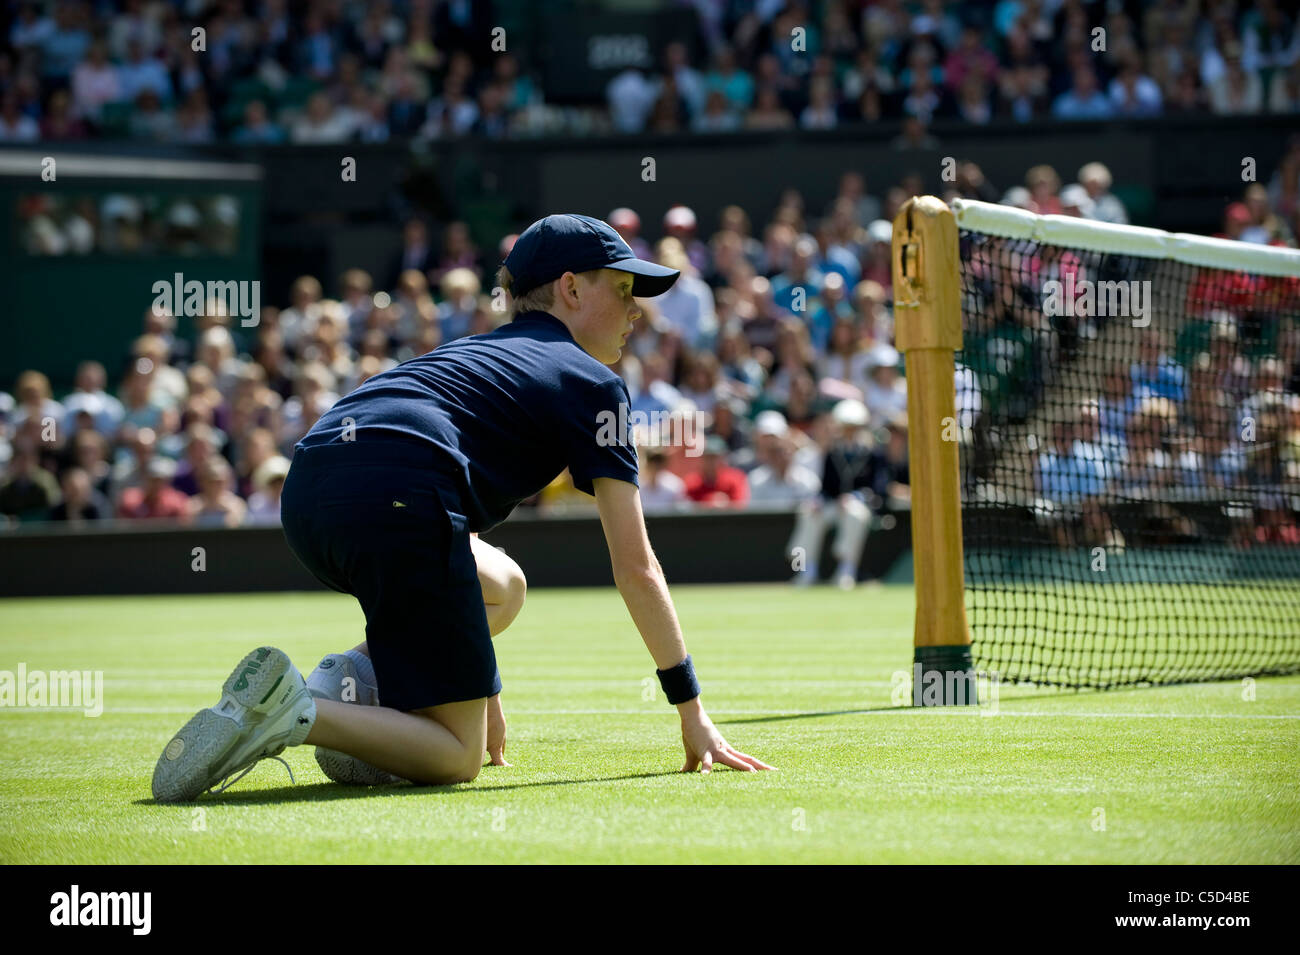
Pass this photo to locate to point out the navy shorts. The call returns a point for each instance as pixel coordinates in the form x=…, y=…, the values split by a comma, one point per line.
x=380, y=518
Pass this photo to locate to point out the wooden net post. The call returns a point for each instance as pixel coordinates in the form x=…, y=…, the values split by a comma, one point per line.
x=927, y=330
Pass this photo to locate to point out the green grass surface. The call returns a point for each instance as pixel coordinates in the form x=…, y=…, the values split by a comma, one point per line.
x=802, y=679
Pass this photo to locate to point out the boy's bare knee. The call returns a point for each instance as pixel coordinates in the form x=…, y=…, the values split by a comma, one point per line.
x=516, y=591
x=467, y=724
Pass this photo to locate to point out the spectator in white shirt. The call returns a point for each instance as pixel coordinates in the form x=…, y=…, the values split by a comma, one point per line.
x=35, y=401
x=779, y=479
x=94, y=83
x=1096, y=178
x=1133, y=93
x=688, y=306
x=141, y=72
x=90, y=396
x=660, y=488
x=321, y=123
x=886, y=389
x=631, y=96
x=1236, y=90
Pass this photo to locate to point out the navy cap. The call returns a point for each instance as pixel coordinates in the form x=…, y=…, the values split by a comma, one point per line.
x=572, y=243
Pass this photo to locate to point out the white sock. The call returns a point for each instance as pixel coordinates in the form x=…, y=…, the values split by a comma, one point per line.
x=365, y=673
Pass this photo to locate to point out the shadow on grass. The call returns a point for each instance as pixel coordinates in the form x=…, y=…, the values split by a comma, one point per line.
x=973, y=710
x=328, y=791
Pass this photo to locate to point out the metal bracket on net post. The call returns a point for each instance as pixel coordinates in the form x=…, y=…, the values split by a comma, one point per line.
x=927, y=330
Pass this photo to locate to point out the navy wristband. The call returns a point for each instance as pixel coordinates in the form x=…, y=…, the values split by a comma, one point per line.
x=679, y=683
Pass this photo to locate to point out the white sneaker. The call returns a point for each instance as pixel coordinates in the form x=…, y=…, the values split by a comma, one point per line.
x=846, y=581
x=264, y=707
x=326, y=682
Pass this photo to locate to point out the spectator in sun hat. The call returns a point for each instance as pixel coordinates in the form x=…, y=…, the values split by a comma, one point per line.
x=876, y=250
x=885, y=390
x=1076, y=202
x=779, y=477
x=628, y=225
x=268, y=479
x=1095, y=178
x=844, y=482
x=679, y=222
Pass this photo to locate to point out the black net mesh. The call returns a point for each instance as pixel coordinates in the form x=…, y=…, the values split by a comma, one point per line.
x=1131, y=466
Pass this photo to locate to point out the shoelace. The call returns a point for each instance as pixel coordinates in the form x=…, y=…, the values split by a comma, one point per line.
x=251, y=766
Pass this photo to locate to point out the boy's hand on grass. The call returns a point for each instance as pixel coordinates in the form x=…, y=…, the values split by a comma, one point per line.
x=705, y=746
x=496, y=732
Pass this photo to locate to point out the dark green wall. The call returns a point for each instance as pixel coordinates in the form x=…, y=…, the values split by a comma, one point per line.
x=62, y=310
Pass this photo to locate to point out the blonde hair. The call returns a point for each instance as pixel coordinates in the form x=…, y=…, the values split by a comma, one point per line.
x=539, y=299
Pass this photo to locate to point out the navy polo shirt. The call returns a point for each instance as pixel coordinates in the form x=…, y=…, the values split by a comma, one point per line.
x=510, y=409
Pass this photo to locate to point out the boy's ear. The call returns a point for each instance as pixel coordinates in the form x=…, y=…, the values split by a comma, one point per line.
x=568, y=286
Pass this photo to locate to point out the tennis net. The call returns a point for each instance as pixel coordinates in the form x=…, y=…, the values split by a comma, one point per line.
x=1131, y=464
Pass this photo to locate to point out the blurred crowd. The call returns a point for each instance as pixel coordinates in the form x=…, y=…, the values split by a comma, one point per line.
x=327, y=71
x=1181, y=428
x=776, y=345
x=1193, y=416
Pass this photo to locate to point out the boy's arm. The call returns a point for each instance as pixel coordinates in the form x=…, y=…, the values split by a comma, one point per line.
x=640, y=580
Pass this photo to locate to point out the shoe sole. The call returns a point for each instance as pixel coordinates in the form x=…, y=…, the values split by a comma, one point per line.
x=350, y=771
x=340, y=767
x=194, y=760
